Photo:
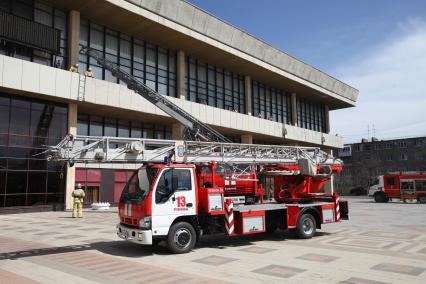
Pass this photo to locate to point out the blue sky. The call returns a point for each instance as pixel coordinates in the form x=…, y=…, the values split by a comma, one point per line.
x=378, y=46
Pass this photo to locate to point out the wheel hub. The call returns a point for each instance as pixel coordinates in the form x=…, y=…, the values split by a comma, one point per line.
x=182, y=238
x=308, y=226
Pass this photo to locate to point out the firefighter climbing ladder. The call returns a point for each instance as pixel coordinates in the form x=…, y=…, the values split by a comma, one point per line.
x=194, y=128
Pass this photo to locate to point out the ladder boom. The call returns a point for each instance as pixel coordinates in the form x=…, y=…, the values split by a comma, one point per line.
x=90, y=149
x=194, y=128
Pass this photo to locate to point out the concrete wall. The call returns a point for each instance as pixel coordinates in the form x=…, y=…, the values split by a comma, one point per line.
x=195, y=19
x=63, y=85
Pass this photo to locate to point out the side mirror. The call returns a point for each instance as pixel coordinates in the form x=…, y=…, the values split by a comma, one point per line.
x=174, y=183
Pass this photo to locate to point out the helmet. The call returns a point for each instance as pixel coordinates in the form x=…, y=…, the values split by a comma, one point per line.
x=76, y=65
x=78, y=185
x=90, y=69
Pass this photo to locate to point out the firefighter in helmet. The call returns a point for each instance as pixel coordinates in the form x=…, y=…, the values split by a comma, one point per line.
x=89, y=73
x=78, y=196
x=74, y=68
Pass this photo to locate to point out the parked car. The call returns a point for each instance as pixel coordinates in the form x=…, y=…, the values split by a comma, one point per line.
x=358, y=191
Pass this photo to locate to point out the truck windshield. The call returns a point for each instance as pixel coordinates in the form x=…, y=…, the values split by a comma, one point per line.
x=375, y=181
x=139, y=185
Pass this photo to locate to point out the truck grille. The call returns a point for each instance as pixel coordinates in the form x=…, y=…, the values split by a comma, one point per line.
x=129, y=221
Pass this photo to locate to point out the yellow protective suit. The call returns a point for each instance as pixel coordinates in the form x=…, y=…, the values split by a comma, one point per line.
x=78, y=197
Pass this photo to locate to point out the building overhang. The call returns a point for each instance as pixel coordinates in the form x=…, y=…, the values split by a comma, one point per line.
x=180, y=25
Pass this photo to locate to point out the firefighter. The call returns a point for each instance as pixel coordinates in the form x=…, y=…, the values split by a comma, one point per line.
x=89, y=73
x=78, y=196
x=74, y=68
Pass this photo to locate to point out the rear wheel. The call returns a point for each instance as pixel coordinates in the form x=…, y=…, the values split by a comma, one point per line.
x=422, y=199
x=306, y=226
x=380, y=197
x=182, y=238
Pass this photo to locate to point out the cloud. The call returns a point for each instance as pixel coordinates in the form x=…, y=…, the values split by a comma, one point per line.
x=391, y=78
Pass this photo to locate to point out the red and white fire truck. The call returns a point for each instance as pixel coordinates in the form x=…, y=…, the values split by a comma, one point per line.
x=399, y=185
x=205, y=184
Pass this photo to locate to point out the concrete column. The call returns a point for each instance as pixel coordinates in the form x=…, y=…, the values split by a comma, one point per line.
x=177, y=131
x=181, y=74
x=73, y=37
x=70, y=182
x=247, y=87
x=327, y=119
x=293, y=109
x=247, y=139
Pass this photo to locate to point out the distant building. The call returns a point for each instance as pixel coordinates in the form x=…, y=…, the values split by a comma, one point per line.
x=365, y=160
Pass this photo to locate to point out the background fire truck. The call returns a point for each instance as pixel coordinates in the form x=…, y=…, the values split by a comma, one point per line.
x=399, y=185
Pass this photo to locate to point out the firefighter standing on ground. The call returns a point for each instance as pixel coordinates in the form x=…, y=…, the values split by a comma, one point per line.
x=78, y=196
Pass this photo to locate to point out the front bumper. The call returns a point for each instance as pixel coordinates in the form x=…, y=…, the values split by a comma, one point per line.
x=134, y=235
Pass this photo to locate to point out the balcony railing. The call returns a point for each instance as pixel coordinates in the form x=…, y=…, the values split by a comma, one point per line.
x=25, y=32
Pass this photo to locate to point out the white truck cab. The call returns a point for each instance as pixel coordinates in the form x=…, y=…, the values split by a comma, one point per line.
x=376, y=185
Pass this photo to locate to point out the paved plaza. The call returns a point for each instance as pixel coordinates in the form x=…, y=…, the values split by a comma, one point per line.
x=382, y=243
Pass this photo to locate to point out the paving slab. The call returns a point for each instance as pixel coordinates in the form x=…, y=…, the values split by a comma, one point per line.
x=382, y=243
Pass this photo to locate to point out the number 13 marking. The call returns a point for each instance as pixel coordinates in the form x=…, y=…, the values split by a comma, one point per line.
x=181, y=201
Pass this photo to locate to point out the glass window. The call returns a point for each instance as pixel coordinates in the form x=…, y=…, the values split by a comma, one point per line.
x=310, y=115
x=164, y=187
x=16, y=182
x=110, y=128
x=151, y=64
x=83, y=124
x=20, y=117
x=23, y=175
x=37, y=182
x=95, y=128
x=123, y=128
x=2, y=184
x=210, y=85
x=136, y=130
x=184, y=179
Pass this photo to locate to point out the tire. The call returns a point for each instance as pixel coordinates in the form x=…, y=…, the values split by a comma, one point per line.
x=422, y=199
x=380, y=197
x=181, y=238
x=306, y=226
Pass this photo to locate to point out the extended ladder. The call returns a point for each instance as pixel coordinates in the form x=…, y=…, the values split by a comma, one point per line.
x=90, y=149
x=194, y=128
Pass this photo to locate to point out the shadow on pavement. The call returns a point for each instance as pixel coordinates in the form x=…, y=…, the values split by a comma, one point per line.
x=116, y=248
x=127, y=249
x=223, y=241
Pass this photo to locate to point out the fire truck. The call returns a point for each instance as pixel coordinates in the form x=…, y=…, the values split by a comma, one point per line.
x=204, y=184
x=399, y=185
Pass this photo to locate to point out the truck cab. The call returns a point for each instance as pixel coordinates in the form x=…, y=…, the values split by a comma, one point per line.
x=155, y=198
x=377, y=185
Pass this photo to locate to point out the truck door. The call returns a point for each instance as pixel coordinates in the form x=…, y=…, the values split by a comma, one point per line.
x=174, y=196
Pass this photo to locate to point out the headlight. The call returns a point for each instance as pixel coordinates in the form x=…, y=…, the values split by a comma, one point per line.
x=145, y=222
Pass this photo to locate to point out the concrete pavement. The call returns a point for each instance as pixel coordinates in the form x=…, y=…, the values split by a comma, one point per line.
x=382, y=243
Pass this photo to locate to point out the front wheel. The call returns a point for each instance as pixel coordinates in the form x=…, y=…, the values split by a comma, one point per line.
x=181, y=238
x=380, y=197
x=306, y=226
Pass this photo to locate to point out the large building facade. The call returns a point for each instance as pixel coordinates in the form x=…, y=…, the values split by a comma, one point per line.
x=243, y=87
x=368, y=159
